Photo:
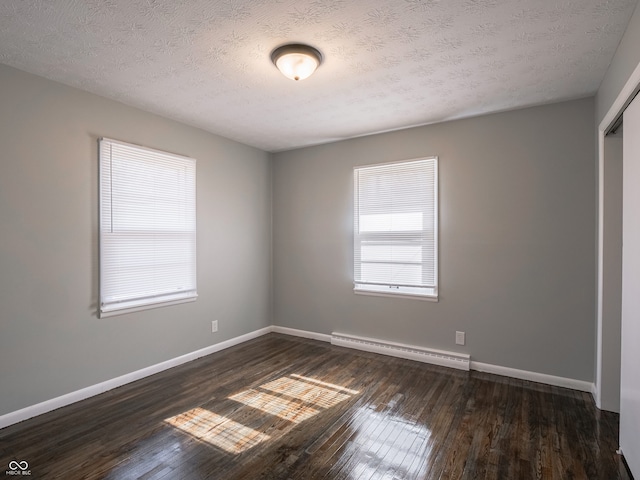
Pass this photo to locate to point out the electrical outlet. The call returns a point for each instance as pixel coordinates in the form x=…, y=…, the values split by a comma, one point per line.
x=214, y=326
x=459, y=338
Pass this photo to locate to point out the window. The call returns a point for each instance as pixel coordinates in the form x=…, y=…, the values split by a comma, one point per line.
x=396, y=228
x=147, y=228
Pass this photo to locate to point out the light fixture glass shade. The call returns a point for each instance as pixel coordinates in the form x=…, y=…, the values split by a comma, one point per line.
x=296, y=62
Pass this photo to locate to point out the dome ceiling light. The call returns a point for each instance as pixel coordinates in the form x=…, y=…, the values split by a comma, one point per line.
x=296, y=61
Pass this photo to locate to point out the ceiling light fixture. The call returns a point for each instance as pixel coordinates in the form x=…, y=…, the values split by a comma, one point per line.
x=296, y=61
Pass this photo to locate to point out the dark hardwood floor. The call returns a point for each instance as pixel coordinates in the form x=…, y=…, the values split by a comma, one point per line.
x=281, y=407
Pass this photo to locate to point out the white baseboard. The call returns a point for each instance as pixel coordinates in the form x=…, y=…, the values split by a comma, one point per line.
x=323, y=337
x=544, y=378
x=72, y=397
x=580, y=385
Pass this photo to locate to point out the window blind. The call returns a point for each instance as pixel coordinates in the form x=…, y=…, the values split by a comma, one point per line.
x=147, y=227
x=395, y=227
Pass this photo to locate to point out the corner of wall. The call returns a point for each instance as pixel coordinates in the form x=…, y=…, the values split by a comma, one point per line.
x=271, y=313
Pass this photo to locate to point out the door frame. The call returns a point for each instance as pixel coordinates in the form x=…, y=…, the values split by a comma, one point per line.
x=622, y=100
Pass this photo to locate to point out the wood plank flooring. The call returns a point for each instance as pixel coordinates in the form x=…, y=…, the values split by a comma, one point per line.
x=281, y=407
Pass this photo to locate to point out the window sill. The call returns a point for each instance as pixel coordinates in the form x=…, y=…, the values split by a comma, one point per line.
x=378, y=293
x=113, y=311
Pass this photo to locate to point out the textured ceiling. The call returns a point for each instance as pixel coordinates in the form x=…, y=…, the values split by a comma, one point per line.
x=388, y=64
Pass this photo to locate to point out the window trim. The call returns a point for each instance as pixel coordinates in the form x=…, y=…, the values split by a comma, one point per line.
x=142, y=303
x=415, y=296
x=121, y=310
x=375, y=290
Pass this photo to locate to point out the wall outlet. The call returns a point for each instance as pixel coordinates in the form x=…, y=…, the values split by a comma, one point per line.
x=214, y=326
x=459, y=338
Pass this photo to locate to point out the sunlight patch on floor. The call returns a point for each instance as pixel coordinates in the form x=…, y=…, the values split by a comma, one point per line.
x=325, y=384
x=316, y=395
x=292, y=398
x=280, y=407
x=217, y=430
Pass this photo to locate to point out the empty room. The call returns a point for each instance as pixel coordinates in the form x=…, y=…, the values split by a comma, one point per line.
x=319, y=239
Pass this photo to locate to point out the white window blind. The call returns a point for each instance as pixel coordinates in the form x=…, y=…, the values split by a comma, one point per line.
x=147, y=228
x=396, y=228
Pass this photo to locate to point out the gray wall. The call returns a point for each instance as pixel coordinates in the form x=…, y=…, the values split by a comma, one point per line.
x=51, y=341
x=612, y=275
x=517, y=245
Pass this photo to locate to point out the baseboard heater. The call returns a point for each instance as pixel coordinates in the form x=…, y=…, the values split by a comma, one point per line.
x=460, y=361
